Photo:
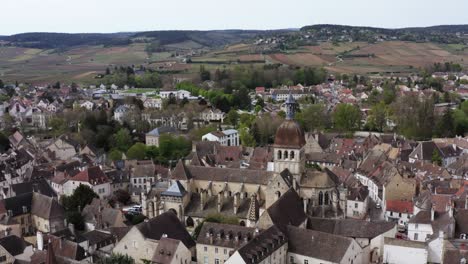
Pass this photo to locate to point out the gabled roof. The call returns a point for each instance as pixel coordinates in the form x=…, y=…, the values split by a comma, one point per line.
x=424, y=151
x=319, y=245
x=40, y=186
x=181, y=172
x=263, y=245
x=165, y=252
x=176, y=189
x=16, y=204
x=287, y=210
x=92, y=175
x=13, y=244
x=46, y=207
x=399, y=206
x=166, y=223
x=350, y=227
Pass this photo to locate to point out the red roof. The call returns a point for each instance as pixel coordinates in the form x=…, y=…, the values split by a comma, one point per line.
x=92, y=175
x=260, y=89
x=400, y=206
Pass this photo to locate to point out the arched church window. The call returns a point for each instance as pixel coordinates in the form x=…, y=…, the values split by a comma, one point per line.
x=327, y=198
x=292, y=155
x=320, y=198
x=285, y=154
x=279, y=154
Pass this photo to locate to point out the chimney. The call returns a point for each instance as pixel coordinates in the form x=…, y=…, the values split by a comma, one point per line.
x=236, y=202
x=7, y=231
x=35, y=187
x=148, y=186
x=61, y=242
x=220, y=201
x=441, y=234
x=202, y=199
x=450, y=210
x=40, y=240
x=256, y=232
x=10, y=213
x=432, y=214
x=71, y=227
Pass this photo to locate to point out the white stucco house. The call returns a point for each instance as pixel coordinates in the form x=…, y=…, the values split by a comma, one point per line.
x=93, y=177
x=228, y=137
x=399, y=251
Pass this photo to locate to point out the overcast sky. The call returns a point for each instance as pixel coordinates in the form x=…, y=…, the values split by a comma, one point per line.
x=18, y=16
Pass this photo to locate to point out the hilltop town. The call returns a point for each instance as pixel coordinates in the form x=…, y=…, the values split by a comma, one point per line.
x=236, y=166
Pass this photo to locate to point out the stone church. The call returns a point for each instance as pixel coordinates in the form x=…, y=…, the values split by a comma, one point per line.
x=196, y=191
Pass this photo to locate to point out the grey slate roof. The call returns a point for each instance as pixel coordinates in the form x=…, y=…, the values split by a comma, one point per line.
x=13, y=244
x=176, y=189
x=166, y=223
x=350, y=227
x=287, y=210
x=319, y=245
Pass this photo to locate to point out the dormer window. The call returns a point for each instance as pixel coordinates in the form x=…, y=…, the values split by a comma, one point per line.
x=279, y=154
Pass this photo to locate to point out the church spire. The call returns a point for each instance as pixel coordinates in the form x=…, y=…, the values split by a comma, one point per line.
x=290, y=107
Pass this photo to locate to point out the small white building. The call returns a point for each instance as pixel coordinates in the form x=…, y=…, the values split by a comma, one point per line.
x=399, y=251
x=88, y=105
x=153, y=103
x=228, y=137
x=357, y=202
x=399, y=211
x=178, y=94
x=425, y=225
x=94, y=177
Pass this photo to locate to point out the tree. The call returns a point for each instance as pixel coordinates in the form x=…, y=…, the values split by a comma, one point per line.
x=58, y=126
x=378, y=117
x=82, y=196
x=445, y=126
x=137, y=151
x=232, y=117
x=436, y=159
x=347, y=117
x=75, y=218
x=246, y=138
x=115, y=154
x=122, y=140
x=205, y=75
x=313, y=117
x=117, y=259
x=122, y=196
x=414, y=118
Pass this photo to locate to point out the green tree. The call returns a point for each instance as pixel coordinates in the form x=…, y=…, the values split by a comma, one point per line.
x=115, y=154
x=122, y=140
x=313, y=117
x=117, y=259
x=445, y=126
x=232, y=117
x=58, y=126
x=246, y=138
x=75, y=218
x=436, y=158
x=378, y=117
x=347, y=117
x=82, y=196
x=137, y=151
